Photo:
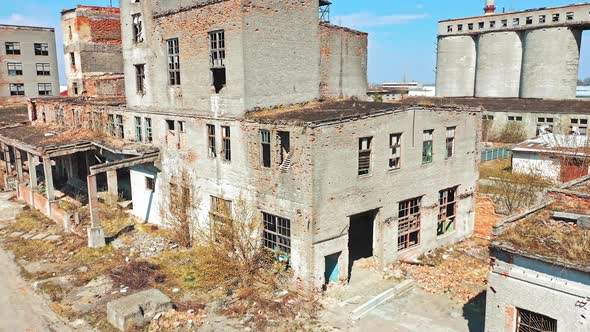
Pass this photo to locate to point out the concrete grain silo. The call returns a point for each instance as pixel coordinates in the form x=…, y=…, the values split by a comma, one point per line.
x=499, y=60
x=550, y=63
x=455, y=70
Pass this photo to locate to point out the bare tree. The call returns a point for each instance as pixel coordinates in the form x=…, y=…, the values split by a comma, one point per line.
x=177, y=211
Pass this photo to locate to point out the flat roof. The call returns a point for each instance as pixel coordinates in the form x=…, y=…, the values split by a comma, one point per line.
x=572, y=145
x=11, y=115
x=334, y=111
x=100, y=101
x=510, y=104
x=541, y=234
x=25, y=27
x=515, y=12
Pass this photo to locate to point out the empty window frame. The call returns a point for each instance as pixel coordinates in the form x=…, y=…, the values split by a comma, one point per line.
x=17, y=89
x=265, y=148
x=447, y=211
x=211, y=141
x=60, y=116
x=150, y=184
x=470, y=26
x=12, y=48
x=544, y=125
x=284, y=141
x=277, y=233
x=504, y=23
x=75, y=88
x=481, y=25
x=459, y=27
x=111, y=124
x=137, y=28
x=120, y=128
x=364, y=162
x=529, y=20
x=450, y=142
x=140, y=79
x=226, y=143
x=515, y=118
x=41, y=49
x=220, y=212
x=449, y=28
x=45, y=89
x=217, y=55
x=138, y=129
x=77, y=118
x=43, y=69
x=73, y=59
x=555, y=17
x=528, y=321
x=542, y=19
x=148, y=130
x=492, y=24
x=409, y=223
x=15, y=69
x=579, y=127
x=395, y=144
x=516, y=21
x=569, y=16
x=173, y=61
x=427, y=146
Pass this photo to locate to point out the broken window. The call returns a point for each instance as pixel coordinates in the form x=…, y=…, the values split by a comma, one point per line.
x=148, y=130
x=140, y=78
x=504, y=23
x=120, y=129
x=225, y=143
x=173, y=61
x=111, y=124
x=427, y=146
x=137, y=28
x=60, y=116
x=408, y=228
x=12, y=48
x=544, y=126
x=170, y=125
x=265, y=147
x=43, y=69
x=569, y=16
x=217, y=44
x=481, y=25
x=220, y=212
x=579, y=127
x=15, y=69
x=516, y=21
x=41, y=49
x=395, y=144
x=284, y=140
x=555, y=18
x=449, y=28
x=529, y=20
x=447, y=211
x=450, y=143
x=70, y=35
x=470, y=26
x=528, y=321
x=138, y=129
x=44, y=89
x=459, y=27
x=75, y=88
x=542, y=19
x=492, y=24
x=73, y=59
x=150, y=184
x=212, y=149
x=277, y=233
x=77, y=116
x=17, y=89
x=364, y=156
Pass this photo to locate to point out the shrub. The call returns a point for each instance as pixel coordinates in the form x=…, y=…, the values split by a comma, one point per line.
x=513, y=132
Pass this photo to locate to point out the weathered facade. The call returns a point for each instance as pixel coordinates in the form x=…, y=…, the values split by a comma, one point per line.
x=540, y=279
x=28, y=63
x=92, y=50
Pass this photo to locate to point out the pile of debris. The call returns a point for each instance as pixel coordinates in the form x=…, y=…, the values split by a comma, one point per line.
x=460, y=271
x=177, y=321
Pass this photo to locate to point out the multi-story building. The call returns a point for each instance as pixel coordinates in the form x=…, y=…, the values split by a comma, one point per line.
x=540, y=277
x=28, y=63
x=233, y=105
x=92, y=47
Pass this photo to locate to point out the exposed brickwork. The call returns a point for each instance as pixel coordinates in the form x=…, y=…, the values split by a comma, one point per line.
x=485, y=217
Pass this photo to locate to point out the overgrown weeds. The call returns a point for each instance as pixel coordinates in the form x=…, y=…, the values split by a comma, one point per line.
x=137, y=275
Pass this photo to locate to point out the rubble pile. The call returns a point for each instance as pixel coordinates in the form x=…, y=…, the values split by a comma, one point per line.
x=176, y=321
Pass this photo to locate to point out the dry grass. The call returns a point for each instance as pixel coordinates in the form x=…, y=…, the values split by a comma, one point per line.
x=32, y=250
x=99, y=261
x=540, y=235
x=30, y=220
x=137, y=275
x=496, y=168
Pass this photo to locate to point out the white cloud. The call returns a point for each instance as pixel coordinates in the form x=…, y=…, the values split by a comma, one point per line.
x=18, y=19
x=364, y=20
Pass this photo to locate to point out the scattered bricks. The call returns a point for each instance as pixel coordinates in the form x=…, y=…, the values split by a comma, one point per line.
x=16, y=234
x=137, y=309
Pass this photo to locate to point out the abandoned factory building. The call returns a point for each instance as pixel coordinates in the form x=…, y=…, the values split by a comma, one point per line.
x=257, y=102
x=93, y=52
x=540, y=277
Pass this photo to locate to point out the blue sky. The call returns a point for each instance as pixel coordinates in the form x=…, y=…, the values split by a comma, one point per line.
x=402, y=32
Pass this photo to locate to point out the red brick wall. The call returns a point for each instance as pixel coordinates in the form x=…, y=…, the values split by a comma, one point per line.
x=57, y=214
x=485, y=217
x=40, y=203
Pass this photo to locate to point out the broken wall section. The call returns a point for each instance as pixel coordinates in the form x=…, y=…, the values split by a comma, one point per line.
x=343, y=62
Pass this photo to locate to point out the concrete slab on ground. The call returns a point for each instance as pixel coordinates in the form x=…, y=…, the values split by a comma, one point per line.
x=137, y=309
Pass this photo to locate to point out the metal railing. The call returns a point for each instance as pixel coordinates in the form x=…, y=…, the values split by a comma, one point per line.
x=496, y=154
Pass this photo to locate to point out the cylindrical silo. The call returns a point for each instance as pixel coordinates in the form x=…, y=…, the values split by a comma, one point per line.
x=550, y=63
x=455, y=69
x=499, y=60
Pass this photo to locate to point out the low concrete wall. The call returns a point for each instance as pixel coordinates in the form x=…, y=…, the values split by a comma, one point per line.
x=40, y=203
x=24, y=193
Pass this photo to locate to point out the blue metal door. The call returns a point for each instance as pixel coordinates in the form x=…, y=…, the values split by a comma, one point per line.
x=332, y=268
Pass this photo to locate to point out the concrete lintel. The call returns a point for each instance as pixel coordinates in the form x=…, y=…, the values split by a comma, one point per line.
x=125, y=163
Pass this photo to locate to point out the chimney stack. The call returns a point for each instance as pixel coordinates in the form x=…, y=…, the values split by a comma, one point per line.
x=490, y=7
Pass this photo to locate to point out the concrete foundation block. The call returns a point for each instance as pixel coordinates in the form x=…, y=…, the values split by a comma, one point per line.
x=96, y=237
x=137, y=309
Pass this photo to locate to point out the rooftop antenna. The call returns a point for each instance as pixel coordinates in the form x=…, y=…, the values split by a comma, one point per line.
x=110, y=3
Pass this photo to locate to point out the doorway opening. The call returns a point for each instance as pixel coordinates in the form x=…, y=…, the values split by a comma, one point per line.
x=360, y=237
